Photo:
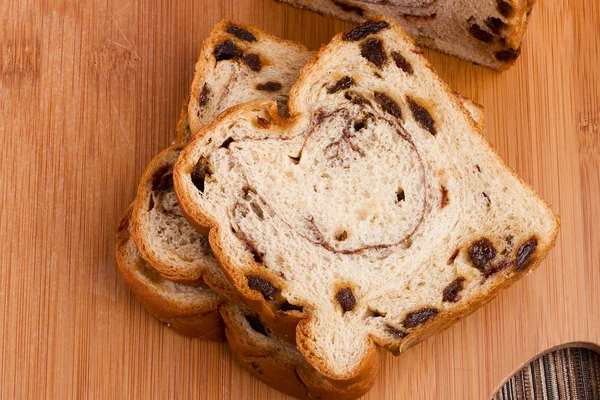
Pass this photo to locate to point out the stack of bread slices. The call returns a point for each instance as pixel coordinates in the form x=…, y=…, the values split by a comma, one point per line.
x=317, y=207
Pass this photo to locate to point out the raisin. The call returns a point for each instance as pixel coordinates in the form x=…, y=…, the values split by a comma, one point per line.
x=480, y=34
x=451, y=292
x=395, y=332
x=495, y=24
x=346, y=299
x=445, y=200
x=400, y=196
x=256, y=255
x=253, y=62
x=342, y=84
x=355, y=98
x=524, y=253
x=372, y=50
x=422, y=116
x=494, y=268
x=226, y=143
x=364, y=30
x=199, y=174
x=256, y=324
x=505, y=8
x=265, y=287
x=282, y=108
x=262, y=122
x=419, y=317
x=349, y=8
x=453, y=257
x=508, y=55
x=341, y=236
x=481, y=253
x=204, y=95
x=287, y=306
x=227, y=50
x=241, y=33
x=360, y=125
x=162, y=180
x=269, y=86
x=388, y=105
x=402, y=63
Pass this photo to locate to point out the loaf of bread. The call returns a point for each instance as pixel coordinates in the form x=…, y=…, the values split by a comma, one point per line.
x=377, y=214
x=191, y=311
x=486, y=32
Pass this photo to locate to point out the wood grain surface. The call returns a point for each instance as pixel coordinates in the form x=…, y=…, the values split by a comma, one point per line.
x=90, y=91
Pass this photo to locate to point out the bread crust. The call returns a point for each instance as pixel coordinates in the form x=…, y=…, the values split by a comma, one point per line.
x=257, y=303
x=280, y=365
x=183, y=132
x=200, y=318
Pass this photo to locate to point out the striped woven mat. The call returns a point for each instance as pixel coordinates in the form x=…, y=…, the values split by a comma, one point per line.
x=570, y=374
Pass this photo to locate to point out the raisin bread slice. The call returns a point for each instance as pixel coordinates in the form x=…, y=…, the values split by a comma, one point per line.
x=486, y=32
x=191, y=311
x=377, y=212
x=278, y=363
x=238, y=64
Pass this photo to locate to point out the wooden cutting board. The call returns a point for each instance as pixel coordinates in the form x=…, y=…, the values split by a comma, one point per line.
x=90, y=91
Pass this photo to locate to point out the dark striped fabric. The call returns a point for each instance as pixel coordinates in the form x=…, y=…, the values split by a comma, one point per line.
x=569, y=374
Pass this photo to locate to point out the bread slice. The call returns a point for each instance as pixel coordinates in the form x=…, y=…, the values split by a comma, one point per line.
x=191, y=311
x=240, y=63
x=376, y=215
x=278, y=363
x=486, y=32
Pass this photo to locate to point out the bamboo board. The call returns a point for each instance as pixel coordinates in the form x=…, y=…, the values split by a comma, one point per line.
x=90, y=91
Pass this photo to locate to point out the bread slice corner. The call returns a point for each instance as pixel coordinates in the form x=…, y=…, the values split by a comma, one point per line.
x=188, y=310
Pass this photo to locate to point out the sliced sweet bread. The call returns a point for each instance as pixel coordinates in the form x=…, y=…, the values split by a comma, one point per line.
x=278, y=363
x=486, y=32
x=191, y=311
x=240, y=63
x=377, y=214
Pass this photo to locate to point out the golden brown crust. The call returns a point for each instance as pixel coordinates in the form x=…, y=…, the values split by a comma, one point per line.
x=204, y=323
x=183, y=133
x=208, y=326
x=280, y=365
